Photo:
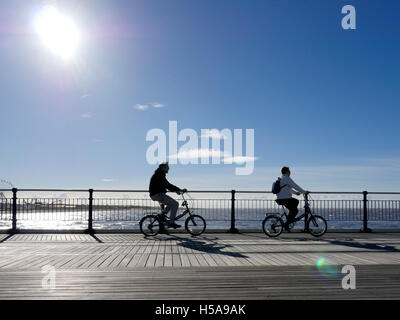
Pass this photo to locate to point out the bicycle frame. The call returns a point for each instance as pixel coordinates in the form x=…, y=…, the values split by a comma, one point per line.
x=184, y=213
x=314, y=224
x=194, y=223
x=306, y=215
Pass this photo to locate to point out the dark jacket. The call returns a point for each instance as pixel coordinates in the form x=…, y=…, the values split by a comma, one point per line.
x=160, y=184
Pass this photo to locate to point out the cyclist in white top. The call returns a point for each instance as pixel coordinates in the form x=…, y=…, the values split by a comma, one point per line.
x=284, y=197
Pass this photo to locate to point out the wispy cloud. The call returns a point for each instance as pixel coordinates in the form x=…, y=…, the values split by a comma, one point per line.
x=141, y=107
x=86, y=115
x=197, y=154
x=108, y=180
x=211, y=153
x=390, y=162
x=84, y=96
x=240, y=159
x=158, y=105
x=213, y=134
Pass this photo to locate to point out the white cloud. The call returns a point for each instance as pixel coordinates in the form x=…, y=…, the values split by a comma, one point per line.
x=142, y=107
x=197, y=154
x=214, y=134
x=211, y=153
x=86, y=115
x=240, y=159
x=108, y=180
x=84, y=96
x=158, y=105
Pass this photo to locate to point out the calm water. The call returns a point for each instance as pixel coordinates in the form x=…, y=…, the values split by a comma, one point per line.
x=217, y=219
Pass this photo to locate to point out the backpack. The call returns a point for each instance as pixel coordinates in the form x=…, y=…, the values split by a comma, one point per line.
x=276, y=186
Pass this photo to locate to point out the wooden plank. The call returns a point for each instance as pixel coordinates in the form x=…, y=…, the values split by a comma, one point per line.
x=123, y=251
x=127, y=259
x=97, y=257
x=143, y=259
x=135, y=258
x=192, y=257
x=242, y=283
x=183, y=257
x=168, y=256
x=159, y=262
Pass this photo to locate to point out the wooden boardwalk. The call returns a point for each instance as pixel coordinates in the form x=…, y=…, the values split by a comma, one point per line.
x=212, y=266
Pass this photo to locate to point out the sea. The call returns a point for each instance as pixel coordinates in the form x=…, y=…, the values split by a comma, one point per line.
x=216, y=219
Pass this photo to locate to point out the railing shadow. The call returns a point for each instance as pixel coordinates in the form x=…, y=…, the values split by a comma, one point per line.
x=6, y=238
x=205, y=247
x=367, y=246
x=95, y=238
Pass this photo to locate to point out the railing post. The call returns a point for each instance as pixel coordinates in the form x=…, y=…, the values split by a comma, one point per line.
x=90, y=220
x=14, y=211
x=365, y=213
x=233, y=229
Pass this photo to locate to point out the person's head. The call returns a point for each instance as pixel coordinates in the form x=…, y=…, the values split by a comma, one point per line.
x=285, y=170
x=164, y=167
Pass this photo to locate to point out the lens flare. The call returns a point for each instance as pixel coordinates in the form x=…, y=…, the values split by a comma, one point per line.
x=327, y=269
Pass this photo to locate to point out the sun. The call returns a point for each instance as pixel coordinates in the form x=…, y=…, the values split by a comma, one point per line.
x=58, y=32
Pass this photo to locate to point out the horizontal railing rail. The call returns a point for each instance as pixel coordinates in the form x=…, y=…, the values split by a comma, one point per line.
x=83, y=212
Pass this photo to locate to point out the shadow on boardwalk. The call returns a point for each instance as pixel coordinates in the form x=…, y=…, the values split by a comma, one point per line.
x=209, y=245
x=5, y=238
x=367, y=246
x=348, y=242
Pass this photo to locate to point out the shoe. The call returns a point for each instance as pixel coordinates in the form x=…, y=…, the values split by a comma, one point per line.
x=173, y=225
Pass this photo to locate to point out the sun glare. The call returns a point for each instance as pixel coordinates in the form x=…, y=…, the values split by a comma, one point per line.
x=58, y=32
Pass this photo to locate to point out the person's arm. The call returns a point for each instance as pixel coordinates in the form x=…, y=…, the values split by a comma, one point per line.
x=171, y=187
x=295, y=186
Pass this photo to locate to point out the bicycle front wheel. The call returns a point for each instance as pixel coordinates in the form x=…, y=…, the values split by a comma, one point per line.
x=317, y=226
x=195, y=225
x=150, y=225
x=272, y=226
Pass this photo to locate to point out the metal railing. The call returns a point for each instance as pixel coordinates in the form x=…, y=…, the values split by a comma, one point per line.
x=229, y=208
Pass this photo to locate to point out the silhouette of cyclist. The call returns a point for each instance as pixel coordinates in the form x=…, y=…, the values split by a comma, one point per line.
x=284, y=197
x=158, y=189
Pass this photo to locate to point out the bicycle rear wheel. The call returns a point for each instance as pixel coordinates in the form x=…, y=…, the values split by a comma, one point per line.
x=195, y=225
x=150, y=225
x=272, y=226
x=317, y=226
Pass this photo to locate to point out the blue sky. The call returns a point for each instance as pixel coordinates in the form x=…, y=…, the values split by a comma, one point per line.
x=323, y=100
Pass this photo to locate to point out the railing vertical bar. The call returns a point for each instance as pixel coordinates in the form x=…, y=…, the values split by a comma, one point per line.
x=233, y=228
x=90, y=220
x=14, y=210
x=365, y=212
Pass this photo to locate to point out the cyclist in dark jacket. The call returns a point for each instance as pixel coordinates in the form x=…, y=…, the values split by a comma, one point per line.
x=158, y=188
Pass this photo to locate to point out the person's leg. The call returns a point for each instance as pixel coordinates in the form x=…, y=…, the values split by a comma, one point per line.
x=287, y=204
x=172, y=205
x=292, y=204
x=159, y=197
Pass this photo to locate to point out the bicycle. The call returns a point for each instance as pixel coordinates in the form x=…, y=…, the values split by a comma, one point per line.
x=152, y=224
x=314, y=224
